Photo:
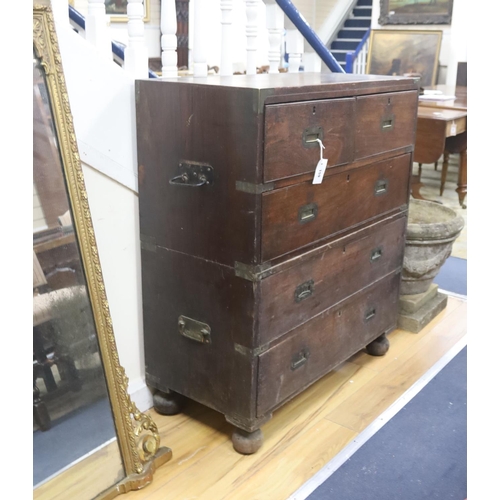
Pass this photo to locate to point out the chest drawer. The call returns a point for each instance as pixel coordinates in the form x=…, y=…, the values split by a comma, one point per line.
x=384, y=122
x=332, y=273
x=298, y=215
x=327, y=340
x=291, y=130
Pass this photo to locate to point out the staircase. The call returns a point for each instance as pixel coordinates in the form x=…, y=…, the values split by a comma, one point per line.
x=352, y=31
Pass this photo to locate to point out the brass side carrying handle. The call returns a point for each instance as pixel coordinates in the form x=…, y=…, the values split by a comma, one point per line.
x=194, y=329
x=184, y=180
x=300, y=359
x=193, y=174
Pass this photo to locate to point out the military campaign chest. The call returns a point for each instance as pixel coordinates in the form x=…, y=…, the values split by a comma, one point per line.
x=256, y=281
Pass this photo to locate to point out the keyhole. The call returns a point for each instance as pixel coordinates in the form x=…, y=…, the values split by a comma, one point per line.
x=343, y=250
x=389, y=100
x=314, y=110
x=339, y=313
x=348, y=178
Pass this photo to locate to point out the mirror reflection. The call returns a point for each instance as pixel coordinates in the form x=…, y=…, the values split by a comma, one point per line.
x=72, y=416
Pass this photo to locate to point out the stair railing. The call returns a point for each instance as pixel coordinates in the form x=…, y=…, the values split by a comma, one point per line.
x=309, y=34
x=286, y=29
x=117, y=49
x=355, y=61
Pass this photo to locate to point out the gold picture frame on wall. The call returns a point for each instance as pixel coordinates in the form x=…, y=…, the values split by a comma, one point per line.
x=405, y=52
x=137, y=434
x=415, y=12
x=117, y=9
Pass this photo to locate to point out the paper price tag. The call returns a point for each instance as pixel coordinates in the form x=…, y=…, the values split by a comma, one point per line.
x=320, y=171
x=453, y=130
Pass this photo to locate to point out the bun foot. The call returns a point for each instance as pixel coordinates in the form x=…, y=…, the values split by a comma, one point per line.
x=379, y=346
x=167, y=403
x=247, y=443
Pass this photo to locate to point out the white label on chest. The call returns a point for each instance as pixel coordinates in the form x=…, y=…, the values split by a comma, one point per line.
x=453, y=130
x=321, y=166
x=320, y=171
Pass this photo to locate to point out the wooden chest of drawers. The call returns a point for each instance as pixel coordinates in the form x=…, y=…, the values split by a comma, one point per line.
x=257, y=282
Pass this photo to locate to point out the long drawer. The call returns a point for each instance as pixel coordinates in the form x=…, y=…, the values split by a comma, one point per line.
x=296, y=216
x=332, y=273
x=316, y=347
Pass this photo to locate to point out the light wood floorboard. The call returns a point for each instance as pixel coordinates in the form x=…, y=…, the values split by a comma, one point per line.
x=303, y=435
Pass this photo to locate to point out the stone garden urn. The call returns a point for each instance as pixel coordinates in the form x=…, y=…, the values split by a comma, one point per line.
x=432, y=229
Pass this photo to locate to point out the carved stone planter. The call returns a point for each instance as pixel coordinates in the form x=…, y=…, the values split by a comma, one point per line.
x=432, y=229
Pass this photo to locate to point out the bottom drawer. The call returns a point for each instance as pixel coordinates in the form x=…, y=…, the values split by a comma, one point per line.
x=316, y=347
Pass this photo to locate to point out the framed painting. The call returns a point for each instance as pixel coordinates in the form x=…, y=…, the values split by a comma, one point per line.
x=117, y=9
x=405, y=53
x=415, y=11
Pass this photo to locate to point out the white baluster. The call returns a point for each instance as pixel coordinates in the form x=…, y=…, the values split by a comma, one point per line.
x=96, y=27
x=226, y=63
x=168, y=39
x=294, y=46
x=251, y=32
x=275, y=23
x=200, y=67
x=136, y=53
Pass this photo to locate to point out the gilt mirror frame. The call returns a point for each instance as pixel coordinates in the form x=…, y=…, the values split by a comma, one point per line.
x=137, y=434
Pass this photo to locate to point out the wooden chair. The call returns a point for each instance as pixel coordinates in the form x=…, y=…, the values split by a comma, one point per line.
x=46, y=351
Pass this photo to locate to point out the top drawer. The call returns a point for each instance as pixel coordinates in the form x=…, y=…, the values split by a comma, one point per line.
x=350, y=129
x=384, y=122
x=290, y=131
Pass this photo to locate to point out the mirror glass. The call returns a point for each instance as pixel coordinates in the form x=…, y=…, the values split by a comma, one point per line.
x=72, y=416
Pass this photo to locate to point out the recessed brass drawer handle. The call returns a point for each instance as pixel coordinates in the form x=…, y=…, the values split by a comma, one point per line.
x=300, y=359
x=370, y=314
x=310, y=136
x=376, y=254
x=308, y=213
x=381, y=187
x=387, y=123
x=304, y=290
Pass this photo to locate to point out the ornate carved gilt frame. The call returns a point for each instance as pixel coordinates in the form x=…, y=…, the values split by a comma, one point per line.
x=137, y=433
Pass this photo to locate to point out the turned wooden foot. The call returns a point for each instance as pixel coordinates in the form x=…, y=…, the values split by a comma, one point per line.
x=379, y=346
x=245, y=442
x=167, y=403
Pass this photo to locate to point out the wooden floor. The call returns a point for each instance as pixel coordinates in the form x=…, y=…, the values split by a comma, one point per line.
x=305, y=434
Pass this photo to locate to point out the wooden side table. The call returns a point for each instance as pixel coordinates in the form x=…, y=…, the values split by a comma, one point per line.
x=441, y=130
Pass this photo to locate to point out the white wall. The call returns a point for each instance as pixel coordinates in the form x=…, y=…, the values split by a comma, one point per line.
x=102, y=101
